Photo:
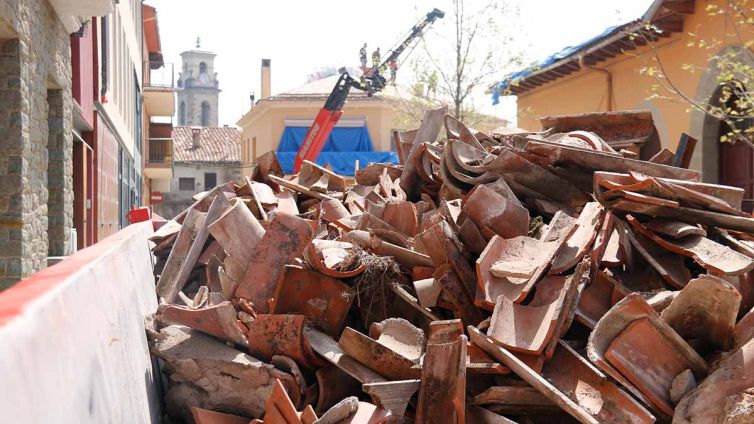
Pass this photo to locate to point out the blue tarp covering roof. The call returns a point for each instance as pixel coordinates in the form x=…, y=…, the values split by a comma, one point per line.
x=343, y=148
x=502, y=86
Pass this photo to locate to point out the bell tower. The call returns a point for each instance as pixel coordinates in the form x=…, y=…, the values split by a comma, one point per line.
x=198, y=89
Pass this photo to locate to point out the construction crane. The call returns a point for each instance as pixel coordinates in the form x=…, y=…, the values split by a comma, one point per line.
x=372, y=82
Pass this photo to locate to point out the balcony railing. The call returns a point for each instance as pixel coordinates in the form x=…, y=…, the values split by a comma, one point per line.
x=159, y=74
x=160, y=151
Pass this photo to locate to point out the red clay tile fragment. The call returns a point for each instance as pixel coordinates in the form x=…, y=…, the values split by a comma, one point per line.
x=705, y=309
x=674, y=229
x=376, y=356
x=399, y=335
x=528, y=328
x=285, y=239
x=519, y=397
x=709, y=254
x=237, y=231
x=580, y=241
x=279, y=409
x=479, y=362
x=402, y=216
x=651, y=336
x=288, y=335
x=457, y=294
x=327, y=256
x=427, y=291
x=328, y=348
x=744, y=329
x=493, y=214
x=442, y=393
x=442, y=245
x=650, y=363
x=669, y=265
x=323, y=299
x=217, y=320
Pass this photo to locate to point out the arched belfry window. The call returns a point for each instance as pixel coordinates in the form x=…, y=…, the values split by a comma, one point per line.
x=182, y=113
x=205, y=114
x=202, y=68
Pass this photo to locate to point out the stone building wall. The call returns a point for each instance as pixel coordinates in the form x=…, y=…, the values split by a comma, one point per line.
x=36, y=190
x=175, y=201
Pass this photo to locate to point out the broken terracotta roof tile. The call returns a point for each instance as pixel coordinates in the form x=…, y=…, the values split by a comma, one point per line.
x=493, y=214
x=323, y=299
x=376, y=356
x=442, y=393
x=286, y=238
x=705, y=309
x=217, y=320
x=709, y=254
x=580, y=241
x=288, y=335
x=534, y=324
x=669, y=265
x=645, y=339
x=458, y=295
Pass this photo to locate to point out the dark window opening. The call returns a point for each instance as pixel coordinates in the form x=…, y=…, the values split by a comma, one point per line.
x=186, y=184
x=182, y=114
x=205, y=114
x=210, y=180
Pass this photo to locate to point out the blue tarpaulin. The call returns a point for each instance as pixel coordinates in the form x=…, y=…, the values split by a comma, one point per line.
x=343, y=148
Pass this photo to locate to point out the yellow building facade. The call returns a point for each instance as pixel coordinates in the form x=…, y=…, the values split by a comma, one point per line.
x=263, y=125
x=606, y=75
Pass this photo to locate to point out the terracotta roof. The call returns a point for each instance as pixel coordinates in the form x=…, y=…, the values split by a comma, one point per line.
x=665, y=15
x=216, y=145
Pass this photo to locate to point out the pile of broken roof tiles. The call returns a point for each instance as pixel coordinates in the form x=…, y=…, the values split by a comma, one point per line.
x=522, y=277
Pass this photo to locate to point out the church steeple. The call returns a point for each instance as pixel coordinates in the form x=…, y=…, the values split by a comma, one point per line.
x=199, y=89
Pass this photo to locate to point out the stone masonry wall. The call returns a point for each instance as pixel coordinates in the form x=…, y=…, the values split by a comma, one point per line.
x=35, y=139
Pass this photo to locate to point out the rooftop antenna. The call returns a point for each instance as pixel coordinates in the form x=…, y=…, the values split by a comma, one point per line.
x=198, y=42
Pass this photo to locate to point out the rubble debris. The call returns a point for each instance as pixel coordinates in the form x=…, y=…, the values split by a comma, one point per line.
x=205, y=416
x=490, y=278
x=708, y=402
x=197, y=363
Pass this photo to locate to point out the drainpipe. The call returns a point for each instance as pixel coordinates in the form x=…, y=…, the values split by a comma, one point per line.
x=609, y=80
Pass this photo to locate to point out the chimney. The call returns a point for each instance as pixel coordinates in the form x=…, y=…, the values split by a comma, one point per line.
x=196, y=134
x=266, y=78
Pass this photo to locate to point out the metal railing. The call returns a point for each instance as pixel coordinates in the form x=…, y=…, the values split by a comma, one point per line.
x=160, y=151
x=159, y=74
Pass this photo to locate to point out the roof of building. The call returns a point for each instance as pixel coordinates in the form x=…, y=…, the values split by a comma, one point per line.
x=666, y=16
x=152, y=35
x=318, y=90
x=216, y=145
